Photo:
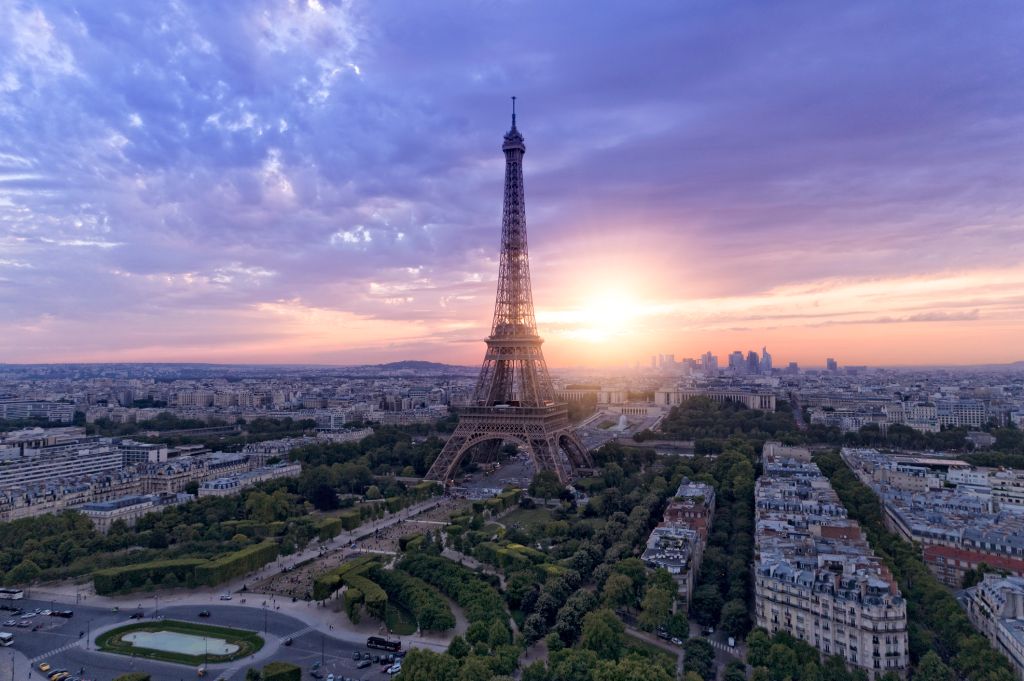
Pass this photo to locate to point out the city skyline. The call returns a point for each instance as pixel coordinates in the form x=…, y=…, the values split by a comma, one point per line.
x=321, y=183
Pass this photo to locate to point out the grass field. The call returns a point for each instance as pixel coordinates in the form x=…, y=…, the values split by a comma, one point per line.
x=248, y=642
x=527, y=518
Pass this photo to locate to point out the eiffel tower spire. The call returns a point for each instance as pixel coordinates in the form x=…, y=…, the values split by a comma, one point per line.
x=514, y=399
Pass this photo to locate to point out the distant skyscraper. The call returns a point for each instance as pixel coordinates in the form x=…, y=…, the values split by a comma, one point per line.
x=709, y=361
x=753, y=363
x=793, y=368
x=670, y=361
x=831, y=364
x=736, y=361
x=766, y=361
x=654, y=362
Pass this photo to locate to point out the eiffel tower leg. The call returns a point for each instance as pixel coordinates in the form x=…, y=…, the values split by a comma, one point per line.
x=578, y=454
x=446, y=461
x=550, y=458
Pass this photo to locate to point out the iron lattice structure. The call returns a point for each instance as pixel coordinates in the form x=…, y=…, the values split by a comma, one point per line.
x=514, y=399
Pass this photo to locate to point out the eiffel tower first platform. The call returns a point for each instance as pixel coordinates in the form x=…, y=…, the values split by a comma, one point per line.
x=514, y=400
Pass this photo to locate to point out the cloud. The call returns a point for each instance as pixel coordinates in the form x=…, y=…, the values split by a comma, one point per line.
x=163, y=162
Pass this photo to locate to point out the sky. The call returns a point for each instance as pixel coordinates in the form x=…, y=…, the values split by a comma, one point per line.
x=320, y=182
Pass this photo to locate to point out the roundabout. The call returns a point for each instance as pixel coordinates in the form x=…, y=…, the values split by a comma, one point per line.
x=180, y=642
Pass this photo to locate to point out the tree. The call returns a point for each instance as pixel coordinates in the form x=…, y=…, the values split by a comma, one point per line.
x=736, y=671
x=783, y=662
x=498, y=634
x=252, y=674
x=23, y=573
x=657, y=606
x=545, y=485
x=603, y=633
x=425, y=665
x=932, y=668
x=373, y=493
x=758, y=647
x=572, y=664
x=629, y=669
x=458, y=648
x=618, y=591
x=700, y=658
x=706, y=604
x=537, y=671
x=735, y=620
x=474, y=669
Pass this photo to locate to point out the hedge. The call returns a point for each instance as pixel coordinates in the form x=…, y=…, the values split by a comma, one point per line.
x=236, y=564
x=403, y=542
x=282, y=671
x=350, y=520
x=328, y=528
x=501, y=556
x=128, y=577
x=374, y=597
x=476, y=597
x=326, y=584
x=133, y=676
x=422, y=600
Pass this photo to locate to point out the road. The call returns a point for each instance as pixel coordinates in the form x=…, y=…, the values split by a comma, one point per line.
x=61, y=642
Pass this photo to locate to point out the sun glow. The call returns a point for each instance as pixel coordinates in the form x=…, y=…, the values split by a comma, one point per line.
x=602, y=318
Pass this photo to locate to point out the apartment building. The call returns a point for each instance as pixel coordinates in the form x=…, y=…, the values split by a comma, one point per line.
x=996, y=607
x=677, y=543
x=815, y=574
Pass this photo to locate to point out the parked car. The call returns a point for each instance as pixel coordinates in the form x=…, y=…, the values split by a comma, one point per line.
x=677, y=641
x=330, y=677
x=44, y=666
x=357, y=655
x=316, y=674
x=363, y=663
x=225, y=597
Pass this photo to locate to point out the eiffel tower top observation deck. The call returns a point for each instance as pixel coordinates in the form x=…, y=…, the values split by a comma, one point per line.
x=514, y=399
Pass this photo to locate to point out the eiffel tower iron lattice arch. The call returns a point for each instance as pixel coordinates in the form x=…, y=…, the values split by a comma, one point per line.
x=514, y=399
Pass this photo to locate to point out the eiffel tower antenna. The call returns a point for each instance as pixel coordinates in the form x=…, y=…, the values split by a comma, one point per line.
x=514, y=400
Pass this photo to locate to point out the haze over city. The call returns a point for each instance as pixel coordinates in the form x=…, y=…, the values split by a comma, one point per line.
x=321, y=182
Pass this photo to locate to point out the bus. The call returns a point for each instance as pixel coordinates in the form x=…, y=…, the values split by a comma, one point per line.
x=6, y=639
x=11, y=594
x=383, y=644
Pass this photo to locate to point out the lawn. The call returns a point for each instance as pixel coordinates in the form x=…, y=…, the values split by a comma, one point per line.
x=527, y=518
x=248, y=642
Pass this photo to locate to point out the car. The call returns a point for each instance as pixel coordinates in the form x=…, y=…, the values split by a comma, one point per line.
x=357, y=655
x=664, y=635
x=44, y=666
x=225, y=597
x=363, y=663
x=136, y=616
x=315, y=665
x=376, y=659
x=60, y=676
x=288, y=641
x=10, y=623
x=316, y=674
x=677, y=641
x=708, y=631
x=204, y=613
x=395, y=668
x=45, y=612
x=27, y=616
x=24, y=624
x=330, y=677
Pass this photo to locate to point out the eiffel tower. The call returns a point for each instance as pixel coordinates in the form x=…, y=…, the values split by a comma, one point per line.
x=514, y=400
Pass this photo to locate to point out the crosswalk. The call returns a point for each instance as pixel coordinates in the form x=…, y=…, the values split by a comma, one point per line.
x=57, y=651
x=301, y=632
